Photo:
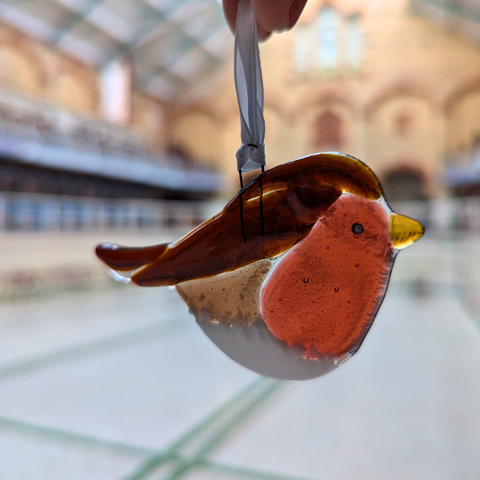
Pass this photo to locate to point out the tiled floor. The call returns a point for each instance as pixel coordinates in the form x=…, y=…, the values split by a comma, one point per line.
x=121, y=384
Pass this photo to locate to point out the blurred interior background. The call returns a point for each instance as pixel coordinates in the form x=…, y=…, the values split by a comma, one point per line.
x=119, y=122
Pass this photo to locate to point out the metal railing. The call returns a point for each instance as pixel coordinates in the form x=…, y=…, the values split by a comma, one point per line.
x=31, y=212
x=44, y=135
x=39, y=212
x=444, y=217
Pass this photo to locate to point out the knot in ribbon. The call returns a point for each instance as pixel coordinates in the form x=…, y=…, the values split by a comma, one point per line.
x=250, y=157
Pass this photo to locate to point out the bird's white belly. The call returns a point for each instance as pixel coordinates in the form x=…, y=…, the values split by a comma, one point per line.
x=227, y=309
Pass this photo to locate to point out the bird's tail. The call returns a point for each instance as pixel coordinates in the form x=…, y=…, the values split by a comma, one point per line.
x=125, y=261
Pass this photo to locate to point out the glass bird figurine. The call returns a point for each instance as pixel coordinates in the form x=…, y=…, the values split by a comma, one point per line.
x=287, y=279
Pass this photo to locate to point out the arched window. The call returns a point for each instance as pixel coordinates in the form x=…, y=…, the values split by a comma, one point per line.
x=354, y=40
x=404, y=184
x=403, y=123
x=328, y=38
x=18, y=69
x=328, y=131
x=70, y=89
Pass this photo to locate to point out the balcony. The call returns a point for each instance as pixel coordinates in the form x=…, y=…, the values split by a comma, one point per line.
x=36, y=133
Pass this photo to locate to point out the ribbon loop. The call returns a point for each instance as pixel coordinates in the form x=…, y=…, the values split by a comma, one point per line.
x=249, y=87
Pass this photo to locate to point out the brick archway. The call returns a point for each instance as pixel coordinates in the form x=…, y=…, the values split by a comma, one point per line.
x=460, y=93
x=408, y=89
x=327, y=100
x=404, y=183
x=328, y=131
x=22, y=52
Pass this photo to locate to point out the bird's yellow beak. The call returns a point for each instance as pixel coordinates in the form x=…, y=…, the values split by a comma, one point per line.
x=404, y=230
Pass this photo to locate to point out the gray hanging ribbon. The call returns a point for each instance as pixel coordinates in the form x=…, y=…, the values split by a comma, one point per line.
x=249, y=87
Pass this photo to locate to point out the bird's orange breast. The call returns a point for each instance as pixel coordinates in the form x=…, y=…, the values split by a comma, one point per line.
x=324, y=293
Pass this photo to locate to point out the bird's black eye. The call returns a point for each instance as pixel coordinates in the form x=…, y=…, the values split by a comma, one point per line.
x=357, y=228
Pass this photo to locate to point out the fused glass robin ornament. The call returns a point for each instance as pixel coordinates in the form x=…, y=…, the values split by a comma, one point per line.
x=290, y=292
x=287, y=279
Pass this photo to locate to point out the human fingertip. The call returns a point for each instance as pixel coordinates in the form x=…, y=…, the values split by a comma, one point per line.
x=263, y=34
x=296, y=10
x=230, y=8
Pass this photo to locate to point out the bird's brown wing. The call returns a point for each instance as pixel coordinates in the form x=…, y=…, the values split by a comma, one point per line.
x=218, y=245
x=292, y=196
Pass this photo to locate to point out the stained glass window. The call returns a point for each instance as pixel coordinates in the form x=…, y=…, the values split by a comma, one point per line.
x=328, y=38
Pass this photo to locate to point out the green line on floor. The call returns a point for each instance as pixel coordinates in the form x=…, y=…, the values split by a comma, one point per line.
x=155, y=461
x=65, y=437
x=70, y=437
x=245, y=472
x=93, y=347
x=184, y=466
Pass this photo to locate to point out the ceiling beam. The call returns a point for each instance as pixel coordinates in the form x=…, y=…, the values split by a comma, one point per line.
x=188, y=37
x=148, y=79
x=157, y=16
x=74, y=19
x=146, y=83
x=190, y=46
x=456, y=7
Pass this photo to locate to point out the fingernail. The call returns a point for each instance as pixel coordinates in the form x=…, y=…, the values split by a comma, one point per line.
x=296, y=10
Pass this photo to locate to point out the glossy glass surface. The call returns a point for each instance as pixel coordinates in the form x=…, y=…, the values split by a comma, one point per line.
x=294, y=196
x=294, y=294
